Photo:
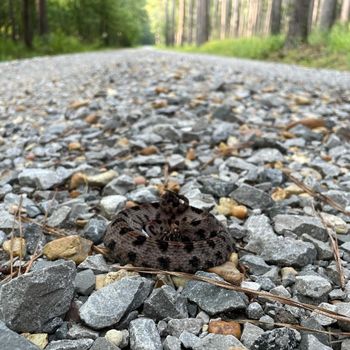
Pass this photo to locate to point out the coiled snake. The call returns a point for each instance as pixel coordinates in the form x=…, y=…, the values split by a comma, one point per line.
x=169, y=235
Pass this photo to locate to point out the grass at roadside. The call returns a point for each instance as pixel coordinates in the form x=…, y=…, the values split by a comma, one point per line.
x=324, y=50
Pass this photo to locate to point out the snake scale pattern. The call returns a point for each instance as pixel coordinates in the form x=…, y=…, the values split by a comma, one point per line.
x=169, y=235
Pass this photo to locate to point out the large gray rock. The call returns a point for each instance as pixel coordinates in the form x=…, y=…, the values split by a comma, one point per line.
x=192, y=325
x=213, y=299
x=165, y=302
x=30, y=301
x=7, y=221
x=79, y=344
x=109, y=304
x=279, y=338
x=10, y=340
x=144, y=335
x=219, y=341
x=299, y=224
x=42, y=179
x=250, y=334
x=312, y=286
x=288, y=252
x=85, y=282
x=102, y=343
x=252, y=197
x=310, y=342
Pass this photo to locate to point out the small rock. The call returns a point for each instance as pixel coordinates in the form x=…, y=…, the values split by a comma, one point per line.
x=109, y=304
x=225, y=328
x=344, y=310
x=315, y=287
x=7, y=221
x=177, y=326
x=252, y=197
x=110, y=205
x=73, y=248
x=115, y=337
x=266, y=155
x=77, y=331
x=250, y=334
x=95, y=230
x=38, y=339
x=279, y=338
x=59, y=216
x=85, y=282
x=10, y=340
x=102, y=179
x=165, y=302
x=79, y=344
x=144, y=335
x=255, y=311
x=143, y=195
x=96, y=263
x=42, y=179
x=218, y=341
x=102, y=343
x=171, y=343
x=310, y=342
x=188, y=340
x=257, y=265
x=16, y=246
x=324, y=320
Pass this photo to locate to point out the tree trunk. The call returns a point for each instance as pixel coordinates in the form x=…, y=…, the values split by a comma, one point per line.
x=276, y=11
x=225, y=11
x=345, y=11
x=202, y=22
x=311, y=12
x=181, y=24
x=234, y=21
x=172, y=30
x=166, y=25
x=12, y=21
x=43, y=27
x=190, y=21
x=215, y=29
x=27, y=23
x=298, y=25
x=327, y=17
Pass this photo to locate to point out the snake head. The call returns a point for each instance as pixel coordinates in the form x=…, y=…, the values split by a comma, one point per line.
x=173, y=203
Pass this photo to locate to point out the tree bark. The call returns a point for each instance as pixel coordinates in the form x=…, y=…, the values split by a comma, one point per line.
x=43, y=26
x=215, y=30
x=202, y=22
x=225, y=11
x=181, y=24
x=327, y=17
x=234, y=22
x=190, y=21
x=12, y=21
x=27, y=23
x=166, y=25
x=276, y=12
x=345, y=11
x=311, y=12
x=298, y=24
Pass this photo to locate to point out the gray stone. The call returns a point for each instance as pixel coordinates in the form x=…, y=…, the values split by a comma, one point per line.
x=188, y=340
x=315, y=287
x=110, y=205
x=266, y=155
x=177, y=326
x=225, y=113
x=345, y=344
x=288, y=252
x=7, y=221
x=26, y=311
x=121, y=185
x=143, y=195
x=102, y=343
x=213, y=299
x=279, y=338
x=299, y=224
x=77, y=331
x=310, y=342
x=324, y=251
x=239, y=164
x=252, y=197
x=324, y=320
x=42, y=179
x=34, y=236
x=344, y=310
x=250, y=334
x=59, y=216
x=85, y=282
x=167, y=131
x=96, y=263
x=281, y=291
x=176, y=162
x=10, y=340
x=165, y=302
x=79, y=344
x=108, y=305
x=95, y=230
x=144, y=335
x=256, y=265
x=218, y=341
x=254, y=311
x=3, y=237
x=171, y=343
x=216, y=187
x=147, y=160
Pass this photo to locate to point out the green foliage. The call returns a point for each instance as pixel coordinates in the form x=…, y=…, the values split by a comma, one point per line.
x=255, y=48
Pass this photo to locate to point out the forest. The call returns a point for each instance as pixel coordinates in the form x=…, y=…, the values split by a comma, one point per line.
x=261, y=29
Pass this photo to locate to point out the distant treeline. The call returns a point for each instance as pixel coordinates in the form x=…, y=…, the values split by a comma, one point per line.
x=109, y=22
x=179, y=22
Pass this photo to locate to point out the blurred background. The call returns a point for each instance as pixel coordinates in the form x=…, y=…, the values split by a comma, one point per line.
x=308, y=32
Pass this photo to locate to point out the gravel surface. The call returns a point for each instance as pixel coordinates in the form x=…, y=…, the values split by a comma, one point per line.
x=84, y=136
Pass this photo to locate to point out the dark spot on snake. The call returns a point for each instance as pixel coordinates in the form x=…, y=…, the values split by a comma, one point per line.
x=209, y=264
x=135, y=208
x=194, y=261
x=184, y=219
x=218, y=255
x=158, y=221
x=211, y=244
x=200, y=233
x=197, y=210
x=177, y=222
x=213, y=234
x=195, y=222
x=164, y=262
x=185, y=239
x=125, y=214
x=139, y=240
x=118, y=220
x=111, y=245
x=162, y=245
x=132, y=256
x=189, y=247
x=125, y=230
x=155, y=205
x=147, y=217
